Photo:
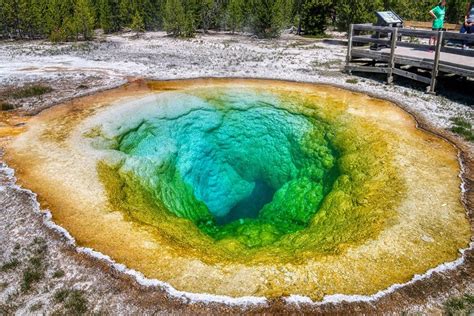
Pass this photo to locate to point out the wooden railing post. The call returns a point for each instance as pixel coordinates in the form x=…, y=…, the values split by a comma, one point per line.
x=434, y=73
x=349, y=45
x=391, y=63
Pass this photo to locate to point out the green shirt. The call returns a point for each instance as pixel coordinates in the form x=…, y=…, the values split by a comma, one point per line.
x=439, y=12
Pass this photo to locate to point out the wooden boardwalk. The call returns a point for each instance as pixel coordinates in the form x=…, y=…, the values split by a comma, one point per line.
x=404, y=58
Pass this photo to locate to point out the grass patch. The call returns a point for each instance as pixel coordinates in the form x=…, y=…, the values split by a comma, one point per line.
x=35, y=270
x=317, y=65
x=5, y=106
x=61, y=295
x=36, y=307
x=10, y=265
x=316, y=36
x=30, y=276
x=463, y=128
x=30, y=91
x=460, y=305
x=352, y=81
x=304, y=45
x=3, y=285
x=73, y=301
x=459, y=121
x=58, y=274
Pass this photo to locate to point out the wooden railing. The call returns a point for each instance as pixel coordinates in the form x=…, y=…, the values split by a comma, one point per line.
x=393, y=40
x=429, y=25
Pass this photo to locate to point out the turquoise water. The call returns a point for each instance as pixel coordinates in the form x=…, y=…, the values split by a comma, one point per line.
x=236, y=164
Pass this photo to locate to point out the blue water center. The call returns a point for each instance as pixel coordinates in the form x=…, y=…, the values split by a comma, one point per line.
x=231, y=157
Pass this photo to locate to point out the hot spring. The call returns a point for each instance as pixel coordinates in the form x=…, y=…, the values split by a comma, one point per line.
x=231, y=162
x=248, y=187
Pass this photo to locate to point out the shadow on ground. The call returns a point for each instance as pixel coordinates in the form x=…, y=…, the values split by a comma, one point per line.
x=454, y=88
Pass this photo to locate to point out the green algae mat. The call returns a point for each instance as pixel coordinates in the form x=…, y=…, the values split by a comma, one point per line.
x=248, y=187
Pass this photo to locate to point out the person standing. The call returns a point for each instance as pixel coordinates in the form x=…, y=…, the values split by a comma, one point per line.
x=468, y=25
x=438, y=13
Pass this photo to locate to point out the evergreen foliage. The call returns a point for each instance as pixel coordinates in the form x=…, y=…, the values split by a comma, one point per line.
x=174, y=17
x=235, y=15
x=315, y=15
x=207, y=13
x=61, y=20
x=138, y=25
x=270, y=16
x=84, y=19
x=105, y=16
x=356, y=11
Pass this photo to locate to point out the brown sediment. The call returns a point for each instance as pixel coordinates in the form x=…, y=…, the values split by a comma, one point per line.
x=416, y=293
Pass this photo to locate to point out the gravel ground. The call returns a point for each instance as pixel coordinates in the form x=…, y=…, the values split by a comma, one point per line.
x=40, y=270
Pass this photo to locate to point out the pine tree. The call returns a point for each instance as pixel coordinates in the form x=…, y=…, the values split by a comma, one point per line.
x=39, y=12
x=270, y=16
x=315, y=15
x=174, y=17
x=10, y=9
x=192, y=16
x=248, y=13
x=207, y=12
x=158, y=8
x=30, y=18
x=125, y=12
x=138, y=25
x=84, y=19
x=3, y=20
x=189, y=24
x=220, y=14
x=147, y=11
x=113, y=15
x=70, y=19
x=59, y=20
x=105, y=16
x=356, y=11
x=456, y=11
x=235, y=15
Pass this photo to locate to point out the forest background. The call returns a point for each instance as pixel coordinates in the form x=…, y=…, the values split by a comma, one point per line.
x=66, y=20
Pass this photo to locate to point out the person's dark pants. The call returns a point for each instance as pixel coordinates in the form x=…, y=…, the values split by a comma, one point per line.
x=468, y=30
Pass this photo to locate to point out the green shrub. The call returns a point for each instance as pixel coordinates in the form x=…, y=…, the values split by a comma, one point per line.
x=5, y=106
x=31, y=276
x=30, y=91
x=463, y=128
x=73, y=301
x=460, y=305
x=76, y=303
x=179, y=22
x=356, y=11
x=84, y=19
x=269, y=17
x=58, y=274
x=10, y=265
x=138, y=25
x=35, y=270
x=315, y=15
